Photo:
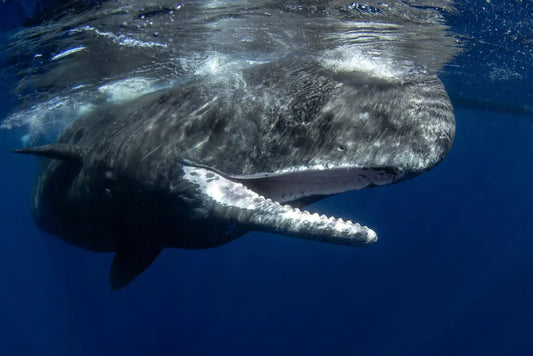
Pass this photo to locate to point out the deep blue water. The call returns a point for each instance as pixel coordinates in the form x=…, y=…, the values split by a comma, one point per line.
x=452, y=273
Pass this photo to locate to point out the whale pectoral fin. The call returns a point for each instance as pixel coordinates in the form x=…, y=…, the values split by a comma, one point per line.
x=235, y=203
x=129, y=262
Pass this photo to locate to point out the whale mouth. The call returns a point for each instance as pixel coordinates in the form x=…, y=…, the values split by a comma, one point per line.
x=258, y=201
x=298, y=185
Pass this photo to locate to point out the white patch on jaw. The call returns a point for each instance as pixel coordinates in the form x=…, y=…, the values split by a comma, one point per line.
x=221, y=190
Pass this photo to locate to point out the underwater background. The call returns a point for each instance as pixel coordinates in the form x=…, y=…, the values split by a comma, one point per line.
x=452, y=272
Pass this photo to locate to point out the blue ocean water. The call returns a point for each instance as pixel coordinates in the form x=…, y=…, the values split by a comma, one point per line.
x=452, y=272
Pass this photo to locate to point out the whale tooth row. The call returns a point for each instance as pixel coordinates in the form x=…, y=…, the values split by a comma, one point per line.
x=295, y=222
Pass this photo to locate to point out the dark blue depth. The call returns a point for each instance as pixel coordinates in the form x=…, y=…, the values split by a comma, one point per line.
x=452, y=273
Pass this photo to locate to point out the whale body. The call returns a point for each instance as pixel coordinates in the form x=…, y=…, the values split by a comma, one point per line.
x=199, y=163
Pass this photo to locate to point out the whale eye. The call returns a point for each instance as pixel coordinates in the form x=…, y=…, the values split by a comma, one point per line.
x=110, y=176
x=341, y=148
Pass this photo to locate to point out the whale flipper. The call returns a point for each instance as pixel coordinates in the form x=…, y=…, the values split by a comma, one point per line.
x=62, y=151
x=129, y=262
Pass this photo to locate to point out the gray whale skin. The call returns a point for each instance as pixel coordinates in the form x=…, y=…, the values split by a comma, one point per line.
x=200, y=164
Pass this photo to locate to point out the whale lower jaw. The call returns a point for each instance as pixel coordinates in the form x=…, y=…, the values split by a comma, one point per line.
x=236, y=203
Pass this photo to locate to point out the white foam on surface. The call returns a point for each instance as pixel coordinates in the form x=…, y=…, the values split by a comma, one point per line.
x=122, y=40
x=218, y=66
x=347, y=60
x=67, y=52
x=128, y=89
x=45, y=121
